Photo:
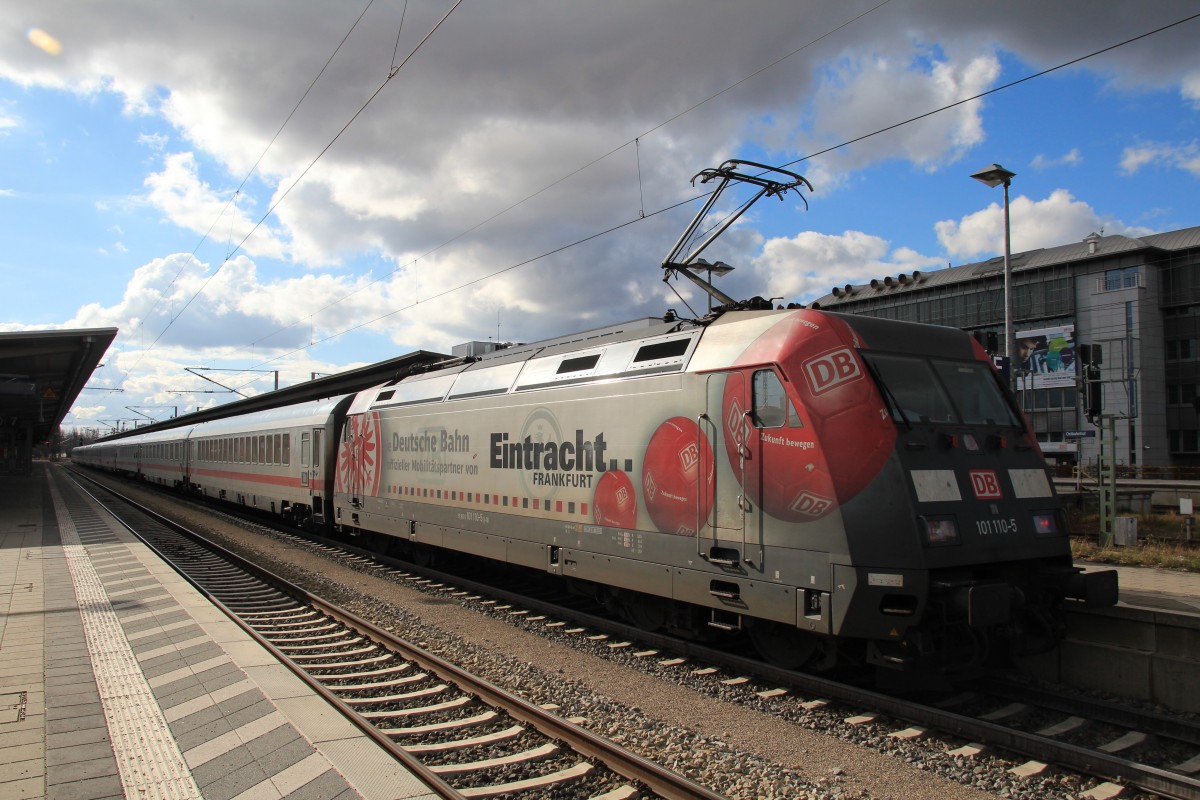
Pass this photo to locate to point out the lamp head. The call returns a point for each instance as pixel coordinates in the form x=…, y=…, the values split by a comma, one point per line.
x=994, y=175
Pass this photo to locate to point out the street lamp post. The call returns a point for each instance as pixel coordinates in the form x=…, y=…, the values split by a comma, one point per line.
x=994, y=176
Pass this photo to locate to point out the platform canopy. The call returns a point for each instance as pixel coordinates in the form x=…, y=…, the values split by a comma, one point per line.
x=41, y=374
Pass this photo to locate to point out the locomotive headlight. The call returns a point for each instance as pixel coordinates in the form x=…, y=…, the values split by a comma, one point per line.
x=1047, y=524
x=940, y=530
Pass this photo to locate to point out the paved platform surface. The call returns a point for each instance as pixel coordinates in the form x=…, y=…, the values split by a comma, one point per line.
x=1159, y=589
x=119, y=680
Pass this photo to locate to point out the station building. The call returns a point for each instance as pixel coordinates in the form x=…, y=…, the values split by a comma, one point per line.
x=1137, y=298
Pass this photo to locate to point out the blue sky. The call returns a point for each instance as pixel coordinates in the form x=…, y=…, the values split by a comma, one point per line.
x=508, y=134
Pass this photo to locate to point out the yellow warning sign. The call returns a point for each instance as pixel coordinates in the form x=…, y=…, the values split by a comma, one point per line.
x=49, y=394
x=894, y=633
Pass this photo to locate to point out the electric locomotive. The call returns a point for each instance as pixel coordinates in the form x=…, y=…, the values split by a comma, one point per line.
x=834, y=485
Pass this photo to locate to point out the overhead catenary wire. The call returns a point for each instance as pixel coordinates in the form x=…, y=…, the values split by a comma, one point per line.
x=614, y=228
x=994, y=90
x=634, y=141
x=254, y=167
x=642, y=213
x=391, y=74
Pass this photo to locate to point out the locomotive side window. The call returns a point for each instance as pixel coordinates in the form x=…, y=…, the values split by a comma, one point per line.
x=772, y=409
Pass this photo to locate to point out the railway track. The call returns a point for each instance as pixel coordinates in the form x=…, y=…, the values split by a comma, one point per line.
x=1036, y=729
x=465, y=737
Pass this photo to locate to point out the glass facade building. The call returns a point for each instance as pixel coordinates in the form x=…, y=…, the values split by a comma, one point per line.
x=1137, y=298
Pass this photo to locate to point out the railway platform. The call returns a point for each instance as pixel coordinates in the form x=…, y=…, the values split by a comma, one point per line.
x=119, y=679
x=1158, y=589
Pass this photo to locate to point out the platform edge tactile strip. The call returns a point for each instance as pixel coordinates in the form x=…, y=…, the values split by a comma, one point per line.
x=149, y=762
x=352, y=761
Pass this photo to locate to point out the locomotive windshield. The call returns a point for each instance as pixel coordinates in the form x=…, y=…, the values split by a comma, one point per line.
x=934, y=390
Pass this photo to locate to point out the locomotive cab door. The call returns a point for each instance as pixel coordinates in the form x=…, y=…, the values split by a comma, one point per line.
x=761, y=432
x=725, y=425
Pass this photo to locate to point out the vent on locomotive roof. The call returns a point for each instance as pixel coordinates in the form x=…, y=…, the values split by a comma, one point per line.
x=578, y=364
x=661, y=350
x=837, y=291
x=903, y=278
x=875, y=283
x=889, y=281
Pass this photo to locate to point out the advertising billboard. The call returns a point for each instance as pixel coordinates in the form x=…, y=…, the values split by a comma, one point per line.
x=1046, y=358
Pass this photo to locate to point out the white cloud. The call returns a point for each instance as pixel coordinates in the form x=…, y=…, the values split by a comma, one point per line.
x=865, y=93
x=1190, y=88
x=189, y=202
x=806, y=265
x=1058, y=219
x=1179, y=156
x=1069, y=159
x=155, y=141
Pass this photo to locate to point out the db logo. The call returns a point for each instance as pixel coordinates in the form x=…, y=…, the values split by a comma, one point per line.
x=650, y=487
x=985, y=484
x=689, y=457
x=831, y=369
x=735, y=421
x=811, y=505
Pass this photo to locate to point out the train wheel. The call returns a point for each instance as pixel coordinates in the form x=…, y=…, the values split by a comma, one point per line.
x=646, y=611
x=784, y=646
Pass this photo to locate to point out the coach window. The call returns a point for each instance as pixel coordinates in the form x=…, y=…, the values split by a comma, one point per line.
x=305, y=448
x=277, y=449
x=262, y=450
x=287, y=450
x=772, y=409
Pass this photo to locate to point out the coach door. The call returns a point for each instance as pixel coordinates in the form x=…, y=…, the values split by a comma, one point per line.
x=316, y=486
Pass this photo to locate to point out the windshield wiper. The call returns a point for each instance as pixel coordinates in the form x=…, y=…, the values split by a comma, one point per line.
x=887, y=393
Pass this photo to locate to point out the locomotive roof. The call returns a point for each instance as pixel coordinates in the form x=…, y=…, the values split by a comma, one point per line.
x=332, y=386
